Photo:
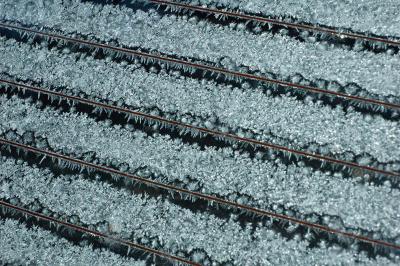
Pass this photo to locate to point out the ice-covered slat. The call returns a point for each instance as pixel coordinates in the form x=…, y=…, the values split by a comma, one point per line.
x=219, y=171
x=282, y=55
x=21, y=245
x=376, y=17
x=298, y=123
x=170, y=227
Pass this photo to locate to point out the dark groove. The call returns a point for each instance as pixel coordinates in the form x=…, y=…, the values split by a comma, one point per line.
x=203, y=140
x=213, y=132
x=201, y=206
x=95, y=233
x=203, y=196
x=258, y=23
x=270, y=90
x=217, y=70
x=336, y=33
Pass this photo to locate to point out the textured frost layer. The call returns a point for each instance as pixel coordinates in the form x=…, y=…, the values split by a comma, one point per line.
x=218, y=171
x=301, y=123
x=370, y=16
x=95, y=202
x=376, y=73
x=35, y=246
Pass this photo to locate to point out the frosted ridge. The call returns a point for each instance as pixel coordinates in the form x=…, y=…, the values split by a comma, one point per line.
x=35, y=246
x=299, y=122
x=204, y=41
x=370, y=16
x=95, y=202
x=218, y=171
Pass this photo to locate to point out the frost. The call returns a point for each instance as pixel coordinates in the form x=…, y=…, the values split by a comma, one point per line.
x=234, y=108
x=266, y=52
x=345, y=200
x=147, y=218
x=35, y=246
x=218, y=171
x=370, y=16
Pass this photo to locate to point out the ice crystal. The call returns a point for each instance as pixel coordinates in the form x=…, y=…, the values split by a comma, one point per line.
x=218, y=171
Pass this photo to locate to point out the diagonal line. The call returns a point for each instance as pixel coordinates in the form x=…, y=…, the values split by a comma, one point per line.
x=205, y=67
x=203, y=196
x=97, y=234
x=204, y=130
x=275, y=21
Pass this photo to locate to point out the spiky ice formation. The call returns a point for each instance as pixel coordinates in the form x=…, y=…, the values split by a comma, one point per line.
x=296, y=124
x=21, y=245
x=215, y=171
x=164, y=225
x=203, y=41
x=368, y=16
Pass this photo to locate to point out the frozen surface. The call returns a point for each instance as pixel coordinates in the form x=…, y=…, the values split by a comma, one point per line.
x=298, y=122
x=350, y=201
x=377, y=73
x=95, y=203
x=217, y=171
x=370, y=16
x=34, y=246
